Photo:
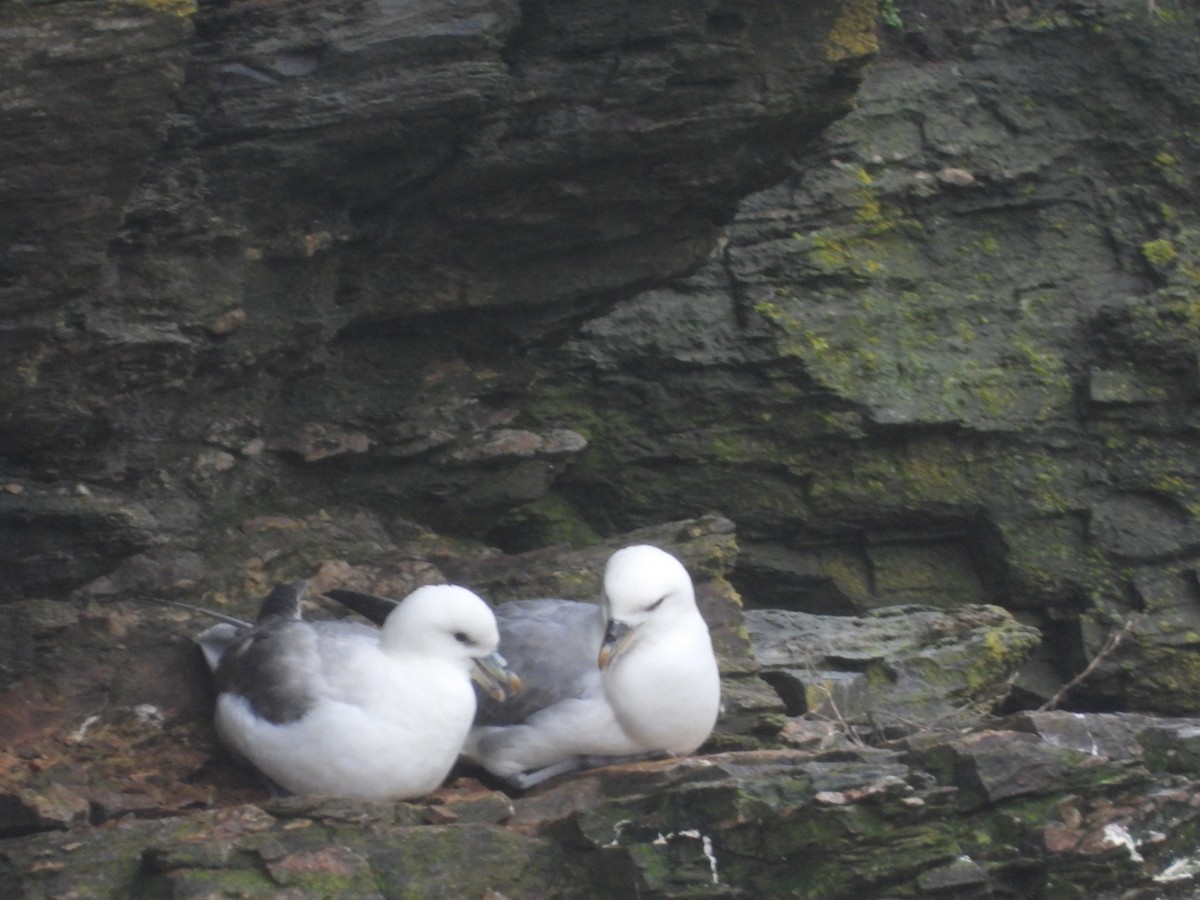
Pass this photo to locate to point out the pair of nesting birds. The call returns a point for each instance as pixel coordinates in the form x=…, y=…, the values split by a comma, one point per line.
x=345, y=709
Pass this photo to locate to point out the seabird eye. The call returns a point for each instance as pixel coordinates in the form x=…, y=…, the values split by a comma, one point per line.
x=461, y=637
x=656, y=604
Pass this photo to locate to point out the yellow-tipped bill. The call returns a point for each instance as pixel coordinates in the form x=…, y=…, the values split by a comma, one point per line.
x=617, y=637
x=492, y=674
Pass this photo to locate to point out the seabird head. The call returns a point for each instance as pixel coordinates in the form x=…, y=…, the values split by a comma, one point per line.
x=645, y=589
x=451, y=622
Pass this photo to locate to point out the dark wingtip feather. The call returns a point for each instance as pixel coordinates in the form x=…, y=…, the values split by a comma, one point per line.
x=283, y=601
x=370, y=607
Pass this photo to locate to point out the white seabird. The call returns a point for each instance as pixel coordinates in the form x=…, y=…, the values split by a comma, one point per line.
x=634, y=676
x=344, y=709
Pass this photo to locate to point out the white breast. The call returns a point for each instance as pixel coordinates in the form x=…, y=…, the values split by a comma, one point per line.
x=667, y=693
x=397, y=739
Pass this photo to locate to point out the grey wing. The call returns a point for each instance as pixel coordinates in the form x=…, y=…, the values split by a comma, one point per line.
x=276, y=666
x=216, y=640
x=339, y=645
x=553, y=646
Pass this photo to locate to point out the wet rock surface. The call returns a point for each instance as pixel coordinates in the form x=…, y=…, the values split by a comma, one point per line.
x=895, y=669
x=113, y=781
x=982, y=815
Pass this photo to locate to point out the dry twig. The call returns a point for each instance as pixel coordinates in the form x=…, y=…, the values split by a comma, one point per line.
x=1110, y=644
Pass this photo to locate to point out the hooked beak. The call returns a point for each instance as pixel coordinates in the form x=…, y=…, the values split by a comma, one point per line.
x=492, y=674
x=617, y=637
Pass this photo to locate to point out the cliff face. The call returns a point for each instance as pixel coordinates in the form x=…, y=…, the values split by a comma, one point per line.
x=954, y=357
x=246, y=241
x=358, y=291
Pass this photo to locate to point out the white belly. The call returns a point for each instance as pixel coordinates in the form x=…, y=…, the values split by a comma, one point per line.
x=395, y=745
